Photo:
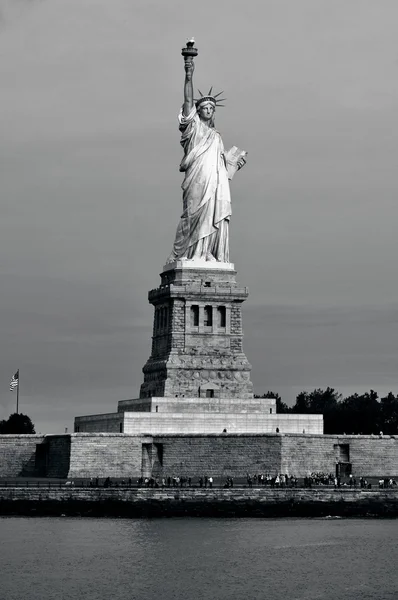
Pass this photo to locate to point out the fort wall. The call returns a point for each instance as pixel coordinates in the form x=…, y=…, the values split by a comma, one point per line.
x=18, y=454
x=219, y=456
x=369, y=455
x=105, y=455
x=118, y=455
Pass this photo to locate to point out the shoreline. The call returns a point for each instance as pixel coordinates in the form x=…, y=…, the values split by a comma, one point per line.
x=196, y=502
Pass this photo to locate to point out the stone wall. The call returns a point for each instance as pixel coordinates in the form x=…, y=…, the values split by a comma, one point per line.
x=197, y=334
x=120, y=455
x=235, y=502
x=196, y=415
x=215, y=423
x=109, y=423
x=135, y=404
x=297, y=455
x=304, y=454
x=198, y=405
x=57, y=455
x=105, y=455
x=369, y=455
x=219, y=456
x=374, y=455
x=18, y=454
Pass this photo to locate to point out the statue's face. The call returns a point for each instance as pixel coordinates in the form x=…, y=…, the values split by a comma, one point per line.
x=206, y=112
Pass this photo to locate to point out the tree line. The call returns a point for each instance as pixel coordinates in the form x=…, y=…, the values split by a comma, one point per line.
x=17, y=423
x=356, y=414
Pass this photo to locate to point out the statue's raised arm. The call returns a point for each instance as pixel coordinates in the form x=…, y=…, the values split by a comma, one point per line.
x=188, y=87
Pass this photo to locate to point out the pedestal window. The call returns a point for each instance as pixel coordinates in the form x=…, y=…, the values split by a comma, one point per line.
x=221, y=313
x=195, y=315
x=208, y=317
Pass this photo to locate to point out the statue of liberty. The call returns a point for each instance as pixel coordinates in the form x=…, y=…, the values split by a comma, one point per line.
x=203, y=230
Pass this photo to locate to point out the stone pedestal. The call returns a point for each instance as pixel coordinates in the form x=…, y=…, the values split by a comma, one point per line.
x=197, y=379
x=197, y=349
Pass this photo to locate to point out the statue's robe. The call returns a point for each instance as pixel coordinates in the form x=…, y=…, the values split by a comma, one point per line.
x=203, y=230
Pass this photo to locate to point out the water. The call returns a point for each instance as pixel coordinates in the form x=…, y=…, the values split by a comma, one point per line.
x=217, y=559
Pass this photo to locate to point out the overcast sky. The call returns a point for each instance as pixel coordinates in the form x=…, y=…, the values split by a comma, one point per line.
x=90, y=190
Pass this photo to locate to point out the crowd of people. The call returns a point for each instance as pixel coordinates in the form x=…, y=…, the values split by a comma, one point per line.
x=175, y=482
x=387, y=483
x=322, y=478
x=279, y=480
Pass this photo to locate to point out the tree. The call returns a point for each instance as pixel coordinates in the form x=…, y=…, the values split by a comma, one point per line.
x=281, y=407
x=355, y=414
x=361, y=414
x=389, y=414
x=17, y=423
x=321, y=402
x=302, y=405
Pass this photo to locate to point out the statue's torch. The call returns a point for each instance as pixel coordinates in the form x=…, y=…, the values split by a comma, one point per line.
x=189, y=52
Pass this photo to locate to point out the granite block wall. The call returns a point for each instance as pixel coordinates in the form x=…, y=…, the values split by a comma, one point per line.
x=305, y=454
x=105, y=455
x=199, y=405
x=57, y=456
x=18, y=455
x=219, y=456
x=109, y=423
x=214, y=423
x=194, y=351
x=374, y=455
x=246, y=502
x=369, y=455
x=242, y=502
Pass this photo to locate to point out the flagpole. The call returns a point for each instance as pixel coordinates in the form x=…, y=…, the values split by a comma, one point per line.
x=18, y=391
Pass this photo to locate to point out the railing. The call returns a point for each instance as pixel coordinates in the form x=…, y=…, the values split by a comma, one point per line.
x=187, y=288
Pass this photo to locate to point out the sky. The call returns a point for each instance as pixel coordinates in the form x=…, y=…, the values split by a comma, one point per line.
x=90, y=190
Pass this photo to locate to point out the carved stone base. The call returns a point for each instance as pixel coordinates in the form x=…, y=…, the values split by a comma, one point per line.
x=197, y=336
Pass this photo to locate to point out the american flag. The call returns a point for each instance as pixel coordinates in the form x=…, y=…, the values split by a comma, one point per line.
x=14, y=381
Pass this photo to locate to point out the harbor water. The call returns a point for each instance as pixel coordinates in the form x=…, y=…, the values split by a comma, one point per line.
x=219, y=559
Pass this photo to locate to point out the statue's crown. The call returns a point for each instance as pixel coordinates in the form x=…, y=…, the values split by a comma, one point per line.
x=209, y=98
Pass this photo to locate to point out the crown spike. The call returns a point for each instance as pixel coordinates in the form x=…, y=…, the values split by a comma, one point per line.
x=215, y=100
